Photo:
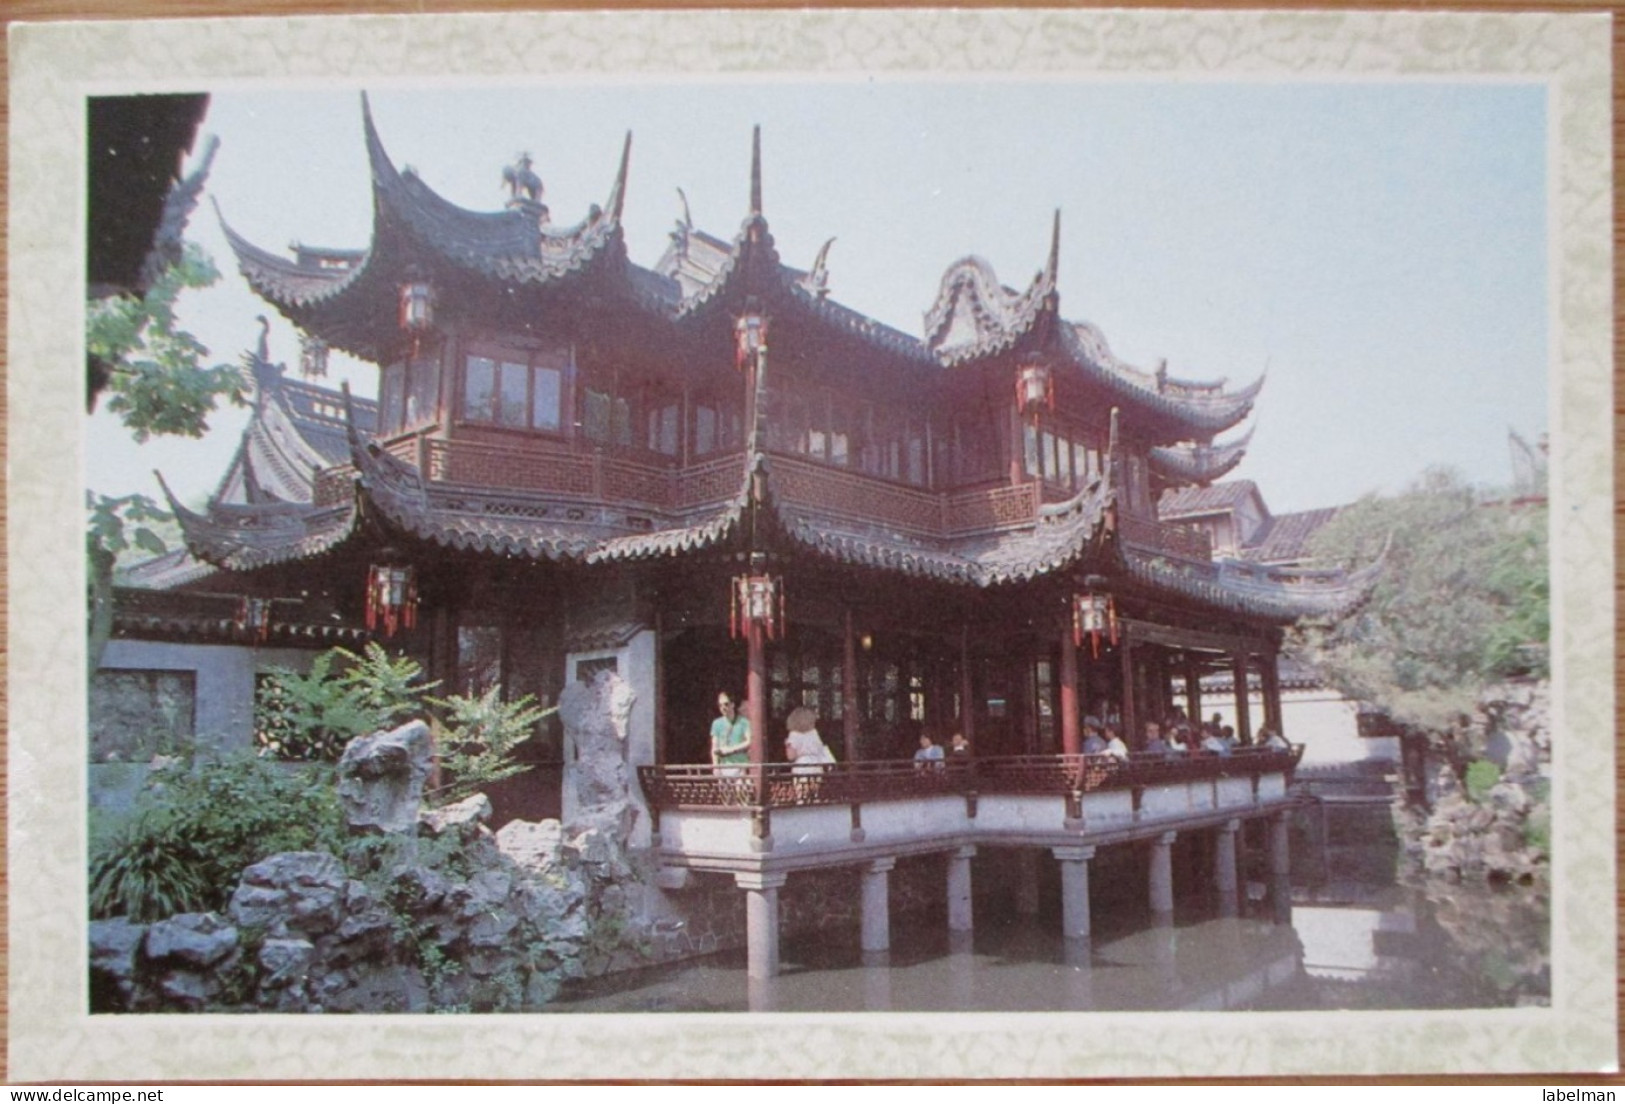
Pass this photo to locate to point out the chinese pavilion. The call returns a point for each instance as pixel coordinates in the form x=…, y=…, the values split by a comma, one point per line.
x=710, y=474
x=953, y=531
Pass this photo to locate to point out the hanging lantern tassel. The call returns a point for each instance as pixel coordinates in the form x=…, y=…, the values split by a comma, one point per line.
x=1111, y=618
x=733, y=610
x=254, y=616
x=392, y=599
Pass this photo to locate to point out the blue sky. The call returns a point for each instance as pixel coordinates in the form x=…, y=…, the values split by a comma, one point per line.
x=1380, y=246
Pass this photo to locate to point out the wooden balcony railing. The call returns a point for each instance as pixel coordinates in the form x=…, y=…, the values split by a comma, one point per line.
x=780, y=785
x=1186, y=541
x=597, y=476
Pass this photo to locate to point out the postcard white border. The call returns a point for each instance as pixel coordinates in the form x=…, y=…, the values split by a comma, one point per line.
x=55, y=65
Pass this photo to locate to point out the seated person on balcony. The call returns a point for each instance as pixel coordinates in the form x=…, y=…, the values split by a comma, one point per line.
x=959, y=750
x=1228, y=735
x=1114, y=743
x=1093, y=742
x=1268, y=737
x=929, y=755
x=1215, y=744
x=804, y=747
x=730, y=736
x=1154, y=743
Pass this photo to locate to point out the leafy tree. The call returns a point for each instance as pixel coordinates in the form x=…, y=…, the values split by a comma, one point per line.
x=153, y=369
x=158, y=384
x=1462, y=596
x=117, y=525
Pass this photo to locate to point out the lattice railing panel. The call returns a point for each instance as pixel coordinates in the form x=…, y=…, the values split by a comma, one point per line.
x=776, y=785
x=992, y=509
x=1187, y=541
x=847, y=494
x=712, y=481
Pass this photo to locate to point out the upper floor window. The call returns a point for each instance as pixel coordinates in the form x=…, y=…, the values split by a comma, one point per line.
x=715, y=427
x=1060, y=456
x=409, y=394
x=516, y=390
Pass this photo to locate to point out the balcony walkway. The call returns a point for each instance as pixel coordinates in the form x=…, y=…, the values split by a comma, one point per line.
x=762, y=823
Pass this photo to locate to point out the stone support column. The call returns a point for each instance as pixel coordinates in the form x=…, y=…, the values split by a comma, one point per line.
x=1027, y=882
x=1162, y=873
x=761, y=922
x=1074, y=890
x=877, y=905
x=1224, y=866
x=1280, y=846
x=959, y=890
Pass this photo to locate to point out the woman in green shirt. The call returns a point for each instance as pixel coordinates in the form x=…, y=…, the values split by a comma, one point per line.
x=730, y=734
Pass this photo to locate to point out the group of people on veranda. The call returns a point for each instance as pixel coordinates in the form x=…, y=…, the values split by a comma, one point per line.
x=803, y=746
x=806, y=750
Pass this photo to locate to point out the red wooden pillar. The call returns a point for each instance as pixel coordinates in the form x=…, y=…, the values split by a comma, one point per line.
x=1193, y=688
x=967, y=709
x=1271, y=675
x=660, y=689
x=849, y=692
x=1244, y=726
x=756, y=689
x=1070, y=743
x=1130, y=709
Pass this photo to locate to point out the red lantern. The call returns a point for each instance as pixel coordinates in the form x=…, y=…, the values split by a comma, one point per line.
x=750, y=340
x=1095, y=614
x=1035, y=388
x=417, y=307
x=759, y=600
x=392, y=598
x=254, y=616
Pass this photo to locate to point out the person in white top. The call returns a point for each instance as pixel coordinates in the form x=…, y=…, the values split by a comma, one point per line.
x=804, y=747
x=1114, y=743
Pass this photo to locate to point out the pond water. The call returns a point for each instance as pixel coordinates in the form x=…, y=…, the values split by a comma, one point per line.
x=1356, y=938
x=1346, y=946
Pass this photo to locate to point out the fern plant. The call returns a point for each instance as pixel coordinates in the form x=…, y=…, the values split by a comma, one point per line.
x=311, y=717
x=479, y=739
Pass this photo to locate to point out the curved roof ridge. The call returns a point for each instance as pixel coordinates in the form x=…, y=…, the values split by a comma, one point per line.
x=975, y=315
x=1212, y=411
x=1199, y=463
x=283, y=280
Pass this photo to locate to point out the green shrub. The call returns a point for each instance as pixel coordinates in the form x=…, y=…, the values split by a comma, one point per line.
x=479, y=737
x=1482, y=775
x=195, y=830
x=311, y=717
x=146, y=871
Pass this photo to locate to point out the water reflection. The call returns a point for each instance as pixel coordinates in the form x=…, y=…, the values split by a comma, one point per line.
x=1346, y=946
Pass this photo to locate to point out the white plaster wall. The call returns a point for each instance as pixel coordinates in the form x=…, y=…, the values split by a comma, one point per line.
x=1322, y=721
x=1017, y=813
x=1108, y=806
x=1174, y=800
x=1235, y=791
x=725, y=831
x=905, y=820
x=223, y=718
